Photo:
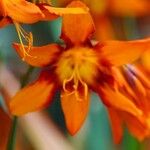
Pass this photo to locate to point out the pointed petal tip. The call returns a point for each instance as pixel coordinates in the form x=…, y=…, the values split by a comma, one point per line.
x=34, y=97
x=73, y=131
x=75, y=111
x=77, y=33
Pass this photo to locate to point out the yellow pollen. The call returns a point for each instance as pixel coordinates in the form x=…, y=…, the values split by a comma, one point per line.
x=28, y=37
x=76, y=68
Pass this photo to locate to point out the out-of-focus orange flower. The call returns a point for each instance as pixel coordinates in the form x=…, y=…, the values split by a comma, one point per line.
x=115, y=7
x=102, y=9
x=77, y=68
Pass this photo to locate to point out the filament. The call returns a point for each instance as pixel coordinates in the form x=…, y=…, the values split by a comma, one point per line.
x=28, y=37
x=76, y=78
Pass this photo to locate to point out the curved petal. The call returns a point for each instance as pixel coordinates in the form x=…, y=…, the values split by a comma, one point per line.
x=39, y=56
x=75, y=110
x=123, y=52
x=34, y=96
x=77, y=28
x=138, y=128
x=54, y=12
x=118, y=101
x=116, y=125
x=23, y=11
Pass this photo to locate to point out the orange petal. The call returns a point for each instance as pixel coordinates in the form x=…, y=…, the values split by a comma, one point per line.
x=78, y=27
x=2, y=8
x=39, y=56
x=138, y=128
x=23, y=11
x=142, y=76
x=4, y=22
x=54, y=12
x=118, y=101
x=34, y=96
x=116, y=125
x=146, y=60
x=123, y=52
x=5, y=126
x=75, y=110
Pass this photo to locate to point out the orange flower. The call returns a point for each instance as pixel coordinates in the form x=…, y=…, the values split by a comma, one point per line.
x=22, y=11
x=77, y=68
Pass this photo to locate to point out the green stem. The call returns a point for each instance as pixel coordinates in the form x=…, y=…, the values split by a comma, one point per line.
x=12, y=137
x=13, y=131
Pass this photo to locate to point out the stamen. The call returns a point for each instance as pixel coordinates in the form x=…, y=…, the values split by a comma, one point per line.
x=28, y=37
x=66, y=81
x=76, y=79
x=83, y=83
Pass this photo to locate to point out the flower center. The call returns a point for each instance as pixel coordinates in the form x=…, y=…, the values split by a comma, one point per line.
x=77, y=67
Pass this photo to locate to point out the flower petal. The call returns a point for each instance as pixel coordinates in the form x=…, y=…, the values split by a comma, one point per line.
x=115, y=99
x=39, y=56
x=23, y=11
x=123, y=52
x=138, y=128
x=116, y=125
x=75, y=110
x=77, y=28
x=34, y=96
x=54, y=12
